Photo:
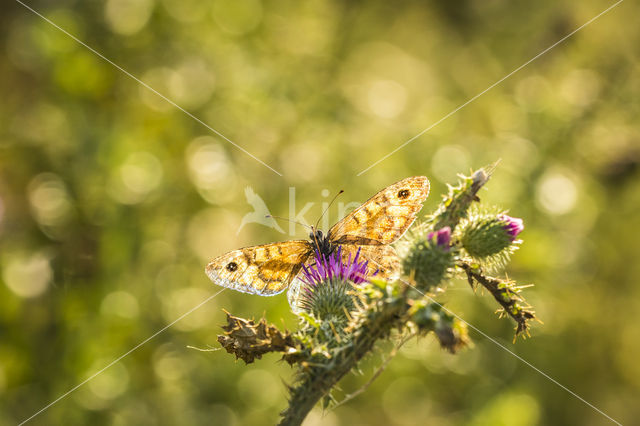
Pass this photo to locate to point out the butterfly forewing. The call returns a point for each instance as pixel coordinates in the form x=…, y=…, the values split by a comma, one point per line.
x=385, y=217
x=265, y=270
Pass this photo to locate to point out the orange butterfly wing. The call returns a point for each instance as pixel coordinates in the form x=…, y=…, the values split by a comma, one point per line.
x=380, y=221
x=385, y=217
x=265, y=270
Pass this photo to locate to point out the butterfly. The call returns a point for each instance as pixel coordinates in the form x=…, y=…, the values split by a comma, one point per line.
x=268, y=269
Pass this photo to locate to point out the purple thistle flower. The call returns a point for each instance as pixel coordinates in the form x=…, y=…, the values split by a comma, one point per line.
x=354, y=270
x=442, y=237
x=512, y=225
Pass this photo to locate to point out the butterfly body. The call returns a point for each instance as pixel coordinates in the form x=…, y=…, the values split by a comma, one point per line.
x=269, y=269
x=322, y=243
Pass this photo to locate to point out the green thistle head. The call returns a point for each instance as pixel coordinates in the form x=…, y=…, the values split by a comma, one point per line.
x=332, y=299
x=429, y=259
x=325, y=288
x=490, y=238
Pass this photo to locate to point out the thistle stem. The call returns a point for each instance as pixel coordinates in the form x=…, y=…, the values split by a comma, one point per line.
x=505, y=294
x=317, y=381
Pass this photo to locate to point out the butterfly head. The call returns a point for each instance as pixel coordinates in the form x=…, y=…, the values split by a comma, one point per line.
x=320, y=241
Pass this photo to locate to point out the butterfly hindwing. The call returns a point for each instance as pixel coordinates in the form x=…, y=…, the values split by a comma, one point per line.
x=382, y=260
x=385, y=217
x=265, y=270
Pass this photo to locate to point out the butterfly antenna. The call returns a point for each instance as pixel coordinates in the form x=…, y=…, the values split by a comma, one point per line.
x=289, y=220
x=325, y=210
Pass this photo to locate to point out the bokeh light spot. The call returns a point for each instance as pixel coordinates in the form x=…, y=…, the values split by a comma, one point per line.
x=127, y=17
x=387, y=98
x=110, y=383
x=191, y=84
x=138, y=176
x=556, y=193
x=49, y=200
x=581, y=87
x=168, y=365
x=120, y=303
x=141, y=172
x=159, y=79
x=28, y=276
x=208, y=162
x=210, y=170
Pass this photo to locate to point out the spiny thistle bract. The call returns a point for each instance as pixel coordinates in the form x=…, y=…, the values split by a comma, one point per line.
x=456, y=203
x=344, y=313
x=429, y=259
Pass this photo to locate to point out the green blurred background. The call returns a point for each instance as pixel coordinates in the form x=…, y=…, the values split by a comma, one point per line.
x=112, y=200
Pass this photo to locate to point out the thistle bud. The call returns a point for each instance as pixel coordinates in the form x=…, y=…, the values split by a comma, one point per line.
x=441, y=238
x=429, y=259
x=485, y=236
x=512, y=225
